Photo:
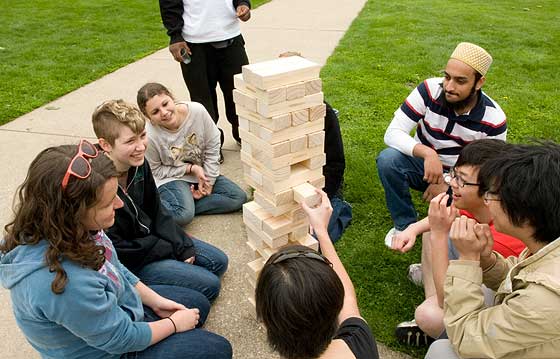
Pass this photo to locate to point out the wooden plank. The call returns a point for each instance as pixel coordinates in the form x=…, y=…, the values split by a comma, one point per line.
x=305, y=193
x=269, y=110
x=299, y=233
x=271, y=96
x=253, y=162
x=275, y=123
x=297, y=215
x=315, y=162
x=300, y=117
x=318, y=182
x=313, y=86
x=274, y=150
x=316, y=139
x=253, y=250
x=295, y=91
x=280, y=72
x=254, y=214
x=298, y=176
x=291, y=132
x=267, y=241
x=317, y=112
x=255, y=267
x=298, y=144
x=245, y=100
x=309, y=241
x=279, y=226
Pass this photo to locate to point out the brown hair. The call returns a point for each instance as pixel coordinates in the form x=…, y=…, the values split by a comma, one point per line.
x=43, y=211
x=108, y=118
x=148, y=91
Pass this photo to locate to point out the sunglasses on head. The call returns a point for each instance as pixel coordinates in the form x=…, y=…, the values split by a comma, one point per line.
x=299, y=253
x=79, y=166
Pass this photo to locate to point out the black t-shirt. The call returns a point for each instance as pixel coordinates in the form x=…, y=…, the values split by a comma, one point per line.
x=356, y=334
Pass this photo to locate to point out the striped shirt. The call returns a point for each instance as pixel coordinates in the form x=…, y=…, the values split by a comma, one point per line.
x=439, y=127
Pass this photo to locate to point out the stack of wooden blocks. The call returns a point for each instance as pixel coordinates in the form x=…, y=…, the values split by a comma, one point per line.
x=281, y=125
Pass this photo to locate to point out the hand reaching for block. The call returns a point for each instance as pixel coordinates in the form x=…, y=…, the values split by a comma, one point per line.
x=320, y=214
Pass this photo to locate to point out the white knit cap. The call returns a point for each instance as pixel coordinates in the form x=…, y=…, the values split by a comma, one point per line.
x=474, y=56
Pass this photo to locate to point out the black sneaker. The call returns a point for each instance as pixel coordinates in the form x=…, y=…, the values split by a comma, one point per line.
x=221, y=160
x=409, y=333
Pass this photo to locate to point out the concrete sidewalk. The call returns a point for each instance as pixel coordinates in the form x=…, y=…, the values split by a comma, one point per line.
x=312, y=27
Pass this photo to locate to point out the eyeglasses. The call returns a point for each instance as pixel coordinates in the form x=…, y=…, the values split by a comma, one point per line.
x=490, y=196
x=300, y=253
x=452, y=175
x=79, y=166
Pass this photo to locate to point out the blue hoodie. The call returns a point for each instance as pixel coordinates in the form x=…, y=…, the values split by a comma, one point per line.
x=99, y=314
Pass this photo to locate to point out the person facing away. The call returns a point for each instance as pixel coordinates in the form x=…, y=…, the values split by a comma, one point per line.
x=148, y=240
x=183, y=153
x=467, y=200
x=307, y=301
x=521, y=191
x=446, y=113
x=209, y=33
x=71, y=296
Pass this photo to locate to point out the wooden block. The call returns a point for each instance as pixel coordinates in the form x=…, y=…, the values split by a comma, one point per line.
x=270, y=96
x=305, y=192
x=254, y=214
x=254, y=162
x=253, y=250
x=269, y=110
x=318, y=182
x=300, y=175
x=266, y=241
x=246, y=146
x=309, y=241
x=275, y=136
x=316, y=139
x=297, y=215
x=244, y=123
x=298, y=144
x=300, y=117
x=245, y=100
x=255, y=267
x=275, y=123
x=280, y=72
x=274, y=150
x=295, y=91
x=279, y=226
x=317, y=112
x=315, y=162
x=276, y=209
x=299, y=233
x=313, y=86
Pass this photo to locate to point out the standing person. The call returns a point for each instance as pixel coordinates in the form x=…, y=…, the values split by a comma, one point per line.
x=521, y=191
x=307, y=301
x=149, y=242
x=208, y=32
x=183, y=152
x=70, y=294
x=447, y=113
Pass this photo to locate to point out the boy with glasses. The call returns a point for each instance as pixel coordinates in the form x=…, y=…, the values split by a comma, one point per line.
x=467, y=201
x=521, y=190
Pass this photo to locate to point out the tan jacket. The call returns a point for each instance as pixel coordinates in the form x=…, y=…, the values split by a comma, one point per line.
x=524, y=323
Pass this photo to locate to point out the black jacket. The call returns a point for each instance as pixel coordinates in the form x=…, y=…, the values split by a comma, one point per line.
x=334, y=150
x=172, y=16
x=143, y=231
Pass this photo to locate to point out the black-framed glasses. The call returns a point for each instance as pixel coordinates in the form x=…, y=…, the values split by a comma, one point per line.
x=491, y=196
x=79, y=165
x=299, y=253
x=452, y=175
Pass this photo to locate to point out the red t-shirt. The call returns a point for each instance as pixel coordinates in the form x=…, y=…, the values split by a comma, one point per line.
x=503, y=244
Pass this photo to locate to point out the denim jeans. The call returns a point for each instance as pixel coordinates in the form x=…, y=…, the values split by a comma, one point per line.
x=398, y=173
x=203, y=276
x=340, y=218
x=177, y=199
x=196, y=343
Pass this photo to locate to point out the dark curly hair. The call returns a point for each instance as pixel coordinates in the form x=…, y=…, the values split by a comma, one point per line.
x=43, y=211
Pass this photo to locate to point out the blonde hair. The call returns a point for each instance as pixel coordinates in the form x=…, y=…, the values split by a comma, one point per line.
x=108, y=118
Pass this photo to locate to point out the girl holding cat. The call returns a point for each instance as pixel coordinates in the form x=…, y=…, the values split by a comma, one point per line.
x=184, y=152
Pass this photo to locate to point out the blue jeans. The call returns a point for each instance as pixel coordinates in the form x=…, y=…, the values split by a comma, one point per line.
x=203, y=276
x=398, y=173
x=340, y=218
x=196, y=343
x=177, y=199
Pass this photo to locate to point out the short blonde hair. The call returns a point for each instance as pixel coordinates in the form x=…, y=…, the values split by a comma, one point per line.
x=108, y=118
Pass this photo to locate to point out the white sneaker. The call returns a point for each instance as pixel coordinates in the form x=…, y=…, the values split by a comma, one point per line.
x=390, y=235
x=415, y=274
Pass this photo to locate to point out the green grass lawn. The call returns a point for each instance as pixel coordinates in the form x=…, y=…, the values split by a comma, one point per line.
x=51, y=47
x=389, y=49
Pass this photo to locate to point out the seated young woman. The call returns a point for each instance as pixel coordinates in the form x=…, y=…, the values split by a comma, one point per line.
x=307, y=301
x=183, y=152
x=70, y=294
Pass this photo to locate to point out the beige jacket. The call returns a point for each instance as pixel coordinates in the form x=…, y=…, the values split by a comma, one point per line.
x=524, y=323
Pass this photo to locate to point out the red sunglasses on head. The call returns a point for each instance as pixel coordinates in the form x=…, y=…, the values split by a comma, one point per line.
x=79, y=166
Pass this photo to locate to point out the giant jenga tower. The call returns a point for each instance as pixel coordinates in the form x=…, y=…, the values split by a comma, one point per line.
x=281, y=121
